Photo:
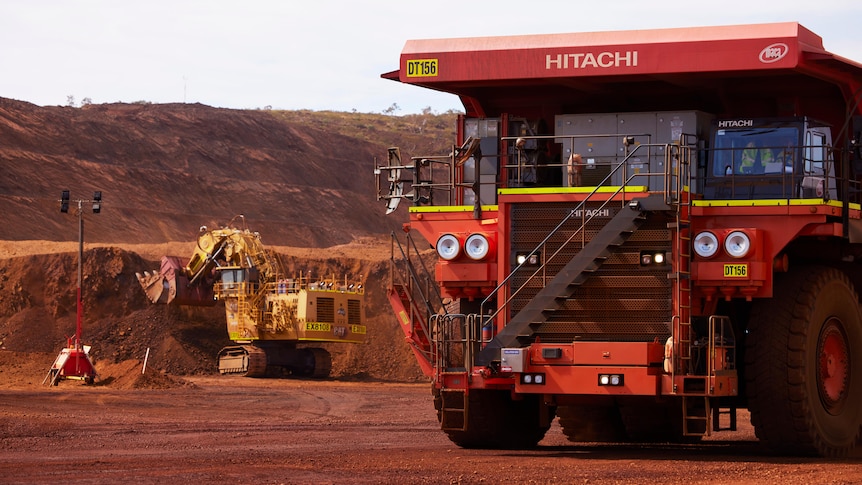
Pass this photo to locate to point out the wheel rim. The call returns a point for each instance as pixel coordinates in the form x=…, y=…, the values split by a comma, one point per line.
x=833, y=372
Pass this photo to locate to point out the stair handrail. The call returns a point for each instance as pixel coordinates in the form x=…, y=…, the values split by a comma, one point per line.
x=413, y=275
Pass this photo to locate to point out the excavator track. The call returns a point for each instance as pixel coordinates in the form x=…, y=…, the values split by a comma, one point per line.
x=244, y=360
x=322, y=363
x=253, y=361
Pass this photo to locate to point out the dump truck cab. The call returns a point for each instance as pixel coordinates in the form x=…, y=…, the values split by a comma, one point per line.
x=770, y=159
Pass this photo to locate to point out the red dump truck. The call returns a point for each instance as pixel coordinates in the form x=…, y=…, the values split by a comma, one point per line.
x=637, y=233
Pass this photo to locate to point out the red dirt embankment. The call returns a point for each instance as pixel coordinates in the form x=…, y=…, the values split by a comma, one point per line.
x=165, y=170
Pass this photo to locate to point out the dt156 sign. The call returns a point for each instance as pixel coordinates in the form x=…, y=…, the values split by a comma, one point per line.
x=736, y=271
x=421, y=67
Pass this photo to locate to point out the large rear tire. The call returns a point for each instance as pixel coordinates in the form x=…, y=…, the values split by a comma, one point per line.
x=495, y=421
x=804, y=393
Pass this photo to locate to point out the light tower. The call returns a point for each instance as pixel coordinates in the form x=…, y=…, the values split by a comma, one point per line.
x=74, y=360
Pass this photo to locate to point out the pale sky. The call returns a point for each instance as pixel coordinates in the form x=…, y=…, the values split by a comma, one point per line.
x=316, y=54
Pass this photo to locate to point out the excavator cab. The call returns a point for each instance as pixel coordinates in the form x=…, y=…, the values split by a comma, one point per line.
x=232, y=280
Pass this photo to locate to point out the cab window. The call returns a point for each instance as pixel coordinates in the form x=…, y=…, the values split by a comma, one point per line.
x=815, y=152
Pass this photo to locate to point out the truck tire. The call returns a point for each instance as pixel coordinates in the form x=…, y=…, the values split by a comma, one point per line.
x=495, y=421
x=804, y=394
x=582, y=423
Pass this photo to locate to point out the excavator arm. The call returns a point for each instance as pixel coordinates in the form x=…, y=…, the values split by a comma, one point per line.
x=190, y=282
x=172, y=286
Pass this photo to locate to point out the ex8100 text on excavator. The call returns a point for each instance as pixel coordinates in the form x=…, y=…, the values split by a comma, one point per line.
x=268, y=314
x=638, y=233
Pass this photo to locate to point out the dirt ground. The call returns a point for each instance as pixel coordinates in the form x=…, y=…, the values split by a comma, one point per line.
x=240, y=430
x=373, y=422
x=308, y=189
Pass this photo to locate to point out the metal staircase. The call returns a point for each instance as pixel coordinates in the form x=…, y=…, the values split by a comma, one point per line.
x=454, y=405
x=574, y=273
x=588, y=262
x=415, y=297
x=455, y=342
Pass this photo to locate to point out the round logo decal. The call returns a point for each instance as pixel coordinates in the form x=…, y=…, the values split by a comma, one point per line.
x=773, y=53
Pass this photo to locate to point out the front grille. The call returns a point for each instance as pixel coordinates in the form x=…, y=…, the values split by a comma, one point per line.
x=621, y=301
x=326, y=310
x=354, y=312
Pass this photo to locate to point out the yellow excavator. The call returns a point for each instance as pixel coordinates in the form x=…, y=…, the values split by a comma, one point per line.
x=267, y=313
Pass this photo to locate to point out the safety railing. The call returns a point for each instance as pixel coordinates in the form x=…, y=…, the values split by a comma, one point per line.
x=673, y=183
x=430, y=175
x=457, y=339
x=526, y=169
x=409, y=275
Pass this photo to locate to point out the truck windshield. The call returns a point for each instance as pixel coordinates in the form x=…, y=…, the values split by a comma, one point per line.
x=753, y=151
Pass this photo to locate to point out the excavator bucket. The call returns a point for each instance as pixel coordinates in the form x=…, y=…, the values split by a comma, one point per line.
x=170, y=286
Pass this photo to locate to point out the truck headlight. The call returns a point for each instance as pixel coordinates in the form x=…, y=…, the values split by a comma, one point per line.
x=705, y=244
x=448, y=247
x=737, y=244
x=477, y=247
x=611, y=379
x=649, y=258
x=532, y=260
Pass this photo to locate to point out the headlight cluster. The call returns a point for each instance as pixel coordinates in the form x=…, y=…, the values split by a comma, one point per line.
x=737, y=244
x=476, y=247
x=653, y=258
x=533, y=379
x=448, y=247
x=612, y=379
x=531, y=259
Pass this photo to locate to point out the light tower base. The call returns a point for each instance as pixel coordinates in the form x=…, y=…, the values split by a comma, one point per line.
x=73, y=363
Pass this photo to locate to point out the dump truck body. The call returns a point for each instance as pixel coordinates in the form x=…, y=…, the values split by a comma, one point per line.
x=638, y=232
